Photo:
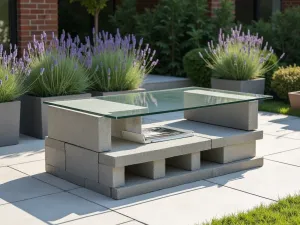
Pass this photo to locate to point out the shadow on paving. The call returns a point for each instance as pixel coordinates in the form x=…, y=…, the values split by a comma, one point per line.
x=44, y=202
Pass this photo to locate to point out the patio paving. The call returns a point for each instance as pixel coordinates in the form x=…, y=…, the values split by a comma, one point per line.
x=28, y=195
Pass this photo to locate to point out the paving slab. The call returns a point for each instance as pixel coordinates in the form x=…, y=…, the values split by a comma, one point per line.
x=29, y=149
x=264, y=117
x=289, y=157
x=274, y=144
x=57, y=209
x=37, y=170
x=282, y=127
x=193, y=207
x=274, y=180
x=132, y=223
x=16, y=186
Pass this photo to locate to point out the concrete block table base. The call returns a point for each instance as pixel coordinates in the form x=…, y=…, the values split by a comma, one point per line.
x=131, y=169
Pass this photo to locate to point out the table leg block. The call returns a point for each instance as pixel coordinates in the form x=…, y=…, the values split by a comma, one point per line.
x=111, y=176
x=55, y=153
x=81, y=129
x=243, y=116
x=133, y=124
x=230, y=153
x=187, y=162
x=82, y=162
x=65, y=175
x=98, y=187
x=152, y=170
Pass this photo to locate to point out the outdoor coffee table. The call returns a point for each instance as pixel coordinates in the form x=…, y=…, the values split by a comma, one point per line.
x=101, y=144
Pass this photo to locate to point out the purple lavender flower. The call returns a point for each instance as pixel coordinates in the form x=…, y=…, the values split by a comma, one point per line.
x=42, y=70
x=1, y=83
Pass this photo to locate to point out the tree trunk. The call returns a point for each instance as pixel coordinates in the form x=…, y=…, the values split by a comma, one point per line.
x=96, y=21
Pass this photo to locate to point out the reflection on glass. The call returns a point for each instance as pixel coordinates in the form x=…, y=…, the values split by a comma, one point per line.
x=4, y=22
x=154, y=102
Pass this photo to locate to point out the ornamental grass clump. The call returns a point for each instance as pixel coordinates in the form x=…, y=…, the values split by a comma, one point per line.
x=239, y=56
x=13, y=73
x=118, y=63
x=56, y=66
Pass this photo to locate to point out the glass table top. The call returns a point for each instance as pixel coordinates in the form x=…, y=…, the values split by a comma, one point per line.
x=155, y=102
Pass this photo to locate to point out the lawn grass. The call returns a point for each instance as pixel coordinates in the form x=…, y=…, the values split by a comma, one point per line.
x=277, y=106
x=284, y=212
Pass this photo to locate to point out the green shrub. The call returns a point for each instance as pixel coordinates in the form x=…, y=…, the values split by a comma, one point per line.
x=286, y=80
x=269, y=75
x=124, y=17
x=196, y=68
x=56, y=69
x=286, y=30
x=13, y=74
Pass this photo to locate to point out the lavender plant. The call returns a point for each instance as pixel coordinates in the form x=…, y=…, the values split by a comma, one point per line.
x=117, y=63
x=13, y=73
x=239, y=56
x=56, y=66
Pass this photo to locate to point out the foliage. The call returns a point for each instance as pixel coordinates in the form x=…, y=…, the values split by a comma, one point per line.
x=239, y=56
x=118, y=63
x=13, y=73
x=286, y=31
x=281, y=107
x=223, y=16
x=285, y=211
x=273, y=59
x=124, y=17
x=196, y=68
x=198, y=23
x=93, y=7
x=286, y=80
x=56, y=68
x=174, y=27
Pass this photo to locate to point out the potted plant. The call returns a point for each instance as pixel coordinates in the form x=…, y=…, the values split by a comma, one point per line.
x=239, y=62
x=58, y=74
x=13, y=73
x=118, y=65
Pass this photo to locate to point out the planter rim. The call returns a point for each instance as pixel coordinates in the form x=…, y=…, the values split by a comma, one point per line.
x=294, y=93
x=38, y=97
x=260, y=78
x=14, y=101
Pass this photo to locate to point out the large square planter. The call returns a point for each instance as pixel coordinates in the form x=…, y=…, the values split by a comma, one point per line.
x=294, y=98
x=9, y=123
x=99, y=93
x=34, y=114
x=255, y=86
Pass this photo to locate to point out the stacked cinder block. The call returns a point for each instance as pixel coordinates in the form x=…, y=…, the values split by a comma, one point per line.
x=80, y=148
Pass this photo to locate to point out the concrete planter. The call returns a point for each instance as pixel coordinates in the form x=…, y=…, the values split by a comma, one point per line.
x=34, y=114
x=99, y=93
x=256, y=86
x=9, y=123
x=294, y=98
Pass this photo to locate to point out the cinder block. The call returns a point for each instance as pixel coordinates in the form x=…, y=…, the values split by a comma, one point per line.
x=111, y=176
x=175, y=178
x=81, y=129
x=65, y=175
x=55, y=157
x=230, y=153
x=133, y=124
x=82, y=162
x=100, y=188
x=153, y=170
x=187, y=162
x=59, y=145
x=242, y=115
